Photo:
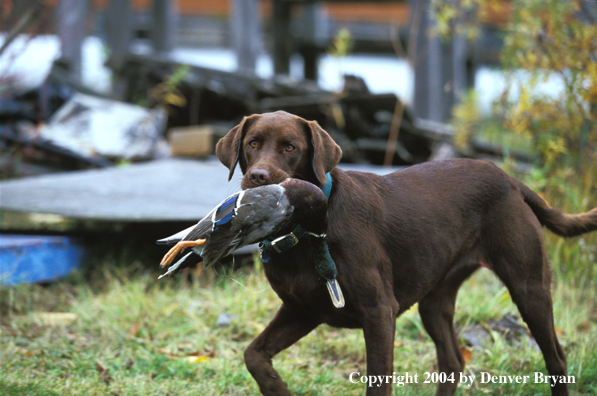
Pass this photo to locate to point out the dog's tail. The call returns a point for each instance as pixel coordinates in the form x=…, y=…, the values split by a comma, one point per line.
x=557, y=222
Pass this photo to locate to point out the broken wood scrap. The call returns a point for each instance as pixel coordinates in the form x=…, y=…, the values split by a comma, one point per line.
x=246, y=86
x=312, y=106
x=93, y=126
x=214, y=95
x=49, y=151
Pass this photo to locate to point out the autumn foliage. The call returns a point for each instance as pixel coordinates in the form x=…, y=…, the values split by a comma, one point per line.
x=555, y=41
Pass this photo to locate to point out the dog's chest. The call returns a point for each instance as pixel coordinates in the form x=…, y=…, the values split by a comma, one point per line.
x=293, y=277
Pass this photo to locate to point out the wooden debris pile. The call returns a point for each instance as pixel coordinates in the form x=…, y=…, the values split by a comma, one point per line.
x=357, y=119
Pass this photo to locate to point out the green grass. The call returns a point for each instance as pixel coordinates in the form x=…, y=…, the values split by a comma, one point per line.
x=144, y=332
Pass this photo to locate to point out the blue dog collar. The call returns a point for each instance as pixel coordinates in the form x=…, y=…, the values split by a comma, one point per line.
x=327, y=189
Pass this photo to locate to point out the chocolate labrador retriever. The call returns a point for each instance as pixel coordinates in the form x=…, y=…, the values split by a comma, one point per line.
x=411, y=236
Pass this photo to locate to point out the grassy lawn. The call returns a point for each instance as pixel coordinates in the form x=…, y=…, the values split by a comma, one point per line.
x=133, y=335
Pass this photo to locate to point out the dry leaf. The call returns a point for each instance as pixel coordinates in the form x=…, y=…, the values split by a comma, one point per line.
x=196, y=359
x=24, y=352
x=103, y=371
x=134, y=329
x=207, y=353
x=56, y=318
x=466, y=354
x=398, y=343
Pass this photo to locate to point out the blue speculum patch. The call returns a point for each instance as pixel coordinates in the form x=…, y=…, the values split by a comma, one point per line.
x=228, y=204
x=225, y=212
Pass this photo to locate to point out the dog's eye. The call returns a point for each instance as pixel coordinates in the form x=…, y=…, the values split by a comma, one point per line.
x=289, y=148
x=253, y=143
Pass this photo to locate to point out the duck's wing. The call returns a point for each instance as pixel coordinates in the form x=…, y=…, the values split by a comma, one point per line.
x=258, y=213
x=221, y=244
x=201, y=230
x=265, y=215
x=219, y=215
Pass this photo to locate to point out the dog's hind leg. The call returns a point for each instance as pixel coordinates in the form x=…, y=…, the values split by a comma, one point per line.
x=286, y=328
x=519, y=260
x=531, y=294
x=437, y=313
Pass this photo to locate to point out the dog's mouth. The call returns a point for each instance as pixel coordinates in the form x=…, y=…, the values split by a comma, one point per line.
x=273, y=177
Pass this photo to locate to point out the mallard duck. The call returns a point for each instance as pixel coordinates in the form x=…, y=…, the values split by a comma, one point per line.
x=253, y=215
x=248, y=217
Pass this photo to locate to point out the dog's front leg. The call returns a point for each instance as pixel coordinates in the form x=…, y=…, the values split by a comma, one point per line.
x=379, y=328
x=288, y=326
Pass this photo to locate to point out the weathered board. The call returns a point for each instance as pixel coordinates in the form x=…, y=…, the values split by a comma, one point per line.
x=172, y=189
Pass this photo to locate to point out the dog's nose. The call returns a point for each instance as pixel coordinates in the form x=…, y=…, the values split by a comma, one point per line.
x=259, y=177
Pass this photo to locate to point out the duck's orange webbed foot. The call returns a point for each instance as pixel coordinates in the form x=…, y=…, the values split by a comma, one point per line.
x=179, y=248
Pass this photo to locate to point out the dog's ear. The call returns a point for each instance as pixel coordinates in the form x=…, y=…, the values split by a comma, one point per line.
x=326, y=153
x=229, y=148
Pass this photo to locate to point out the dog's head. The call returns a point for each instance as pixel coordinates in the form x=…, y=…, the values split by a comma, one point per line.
x=271, y=147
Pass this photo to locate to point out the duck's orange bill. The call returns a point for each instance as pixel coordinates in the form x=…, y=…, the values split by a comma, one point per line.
x=179, y=248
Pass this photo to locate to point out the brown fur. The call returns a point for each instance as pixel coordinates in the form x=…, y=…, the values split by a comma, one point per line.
x=411, y=236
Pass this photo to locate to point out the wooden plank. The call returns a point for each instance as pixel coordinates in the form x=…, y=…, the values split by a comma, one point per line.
x=164, y=19
x=165, y=190
x=246, y=34
x=160, y=191
x=442, y=72
x=73, y=23
x=281, y=37
x=119, y=24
